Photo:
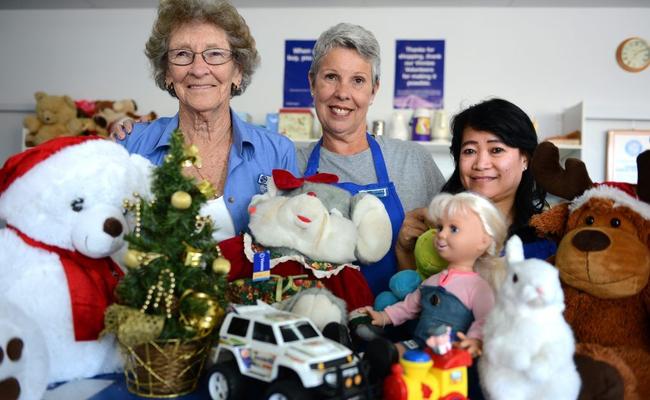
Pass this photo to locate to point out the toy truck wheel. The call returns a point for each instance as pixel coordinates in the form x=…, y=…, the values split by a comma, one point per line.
x=225, y=382
x=287, y=390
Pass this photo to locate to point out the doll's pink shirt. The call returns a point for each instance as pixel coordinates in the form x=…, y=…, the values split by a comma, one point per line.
x=470, y=288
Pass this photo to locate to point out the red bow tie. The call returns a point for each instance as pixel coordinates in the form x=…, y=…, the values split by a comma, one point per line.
x=284, y=180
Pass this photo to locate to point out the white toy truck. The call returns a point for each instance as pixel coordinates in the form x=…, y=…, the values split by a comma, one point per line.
x=284, y=351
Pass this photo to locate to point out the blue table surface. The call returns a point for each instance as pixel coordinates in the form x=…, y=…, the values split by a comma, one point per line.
x=118, y=390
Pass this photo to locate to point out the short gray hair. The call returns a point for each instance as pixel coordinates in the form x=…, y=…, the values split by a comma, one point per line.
x=174, y=13
x=348, y=36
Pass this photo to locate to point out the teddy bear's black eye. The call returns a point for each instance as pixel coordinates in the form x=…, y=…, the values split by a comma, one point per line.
x=615, y=222
x=589, y=220
x=515, y=278
x=77, y=205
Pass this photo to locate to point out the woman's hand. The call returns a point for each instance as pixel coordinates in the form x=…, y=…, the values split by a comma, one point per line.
x=379, y=318
x=121, y=128
x=474, y=346
x=416, y=222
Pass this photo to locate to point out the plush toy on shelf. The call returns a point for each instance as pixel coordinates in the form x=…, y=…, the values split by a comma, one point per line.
x=110, y=112
x=314, y=231
x=98, y=116
x=528, y=346
x=55, y=116
x=63, y=205
x=604, y=262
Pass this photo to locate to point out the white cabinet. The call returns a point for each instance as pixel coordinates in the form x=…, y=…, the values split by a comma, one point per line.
x=594, y=121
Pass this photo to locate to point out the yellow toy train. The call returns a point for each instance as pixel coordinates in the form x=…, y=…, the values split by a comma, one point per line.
x=424, y=375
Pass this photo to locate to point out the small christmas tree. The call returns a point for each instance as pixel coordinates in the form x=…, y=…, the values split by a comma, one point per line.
x=175, y=285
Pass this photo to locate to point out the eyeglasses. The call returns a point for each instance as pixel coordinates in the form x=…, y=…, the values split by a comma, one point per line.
x=214, y=56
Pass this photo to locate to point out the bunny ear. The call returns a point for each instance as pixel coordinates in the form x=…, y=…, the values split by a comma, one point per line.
x=514, y=250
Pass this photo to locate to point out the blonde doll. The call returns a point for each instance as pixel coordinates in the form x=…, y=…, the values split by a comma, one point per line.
x=471, y=232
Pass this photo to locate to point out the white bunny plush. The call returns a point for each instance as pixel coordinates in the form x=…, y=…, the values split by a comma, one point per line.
x=528, y=346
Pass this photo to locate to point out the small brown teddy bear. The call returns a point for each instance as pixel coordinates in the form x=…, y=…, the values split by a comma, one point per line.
x=109, y=114
x=604, y=262
x=55, y=116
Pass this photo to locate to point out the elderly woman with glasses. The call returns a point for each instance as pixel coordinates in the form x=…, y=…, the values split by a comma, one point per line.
x=203, y=54
x=344, y=79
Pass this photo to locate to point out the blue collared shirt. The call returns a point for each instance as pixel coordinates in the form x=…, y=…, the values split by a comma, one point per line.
x=254, y=154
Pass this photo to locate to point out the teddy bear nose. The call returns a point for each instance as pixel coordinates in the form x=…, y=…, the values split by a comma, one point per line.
x=313, y=194
x=113, y=227
x=590, y=240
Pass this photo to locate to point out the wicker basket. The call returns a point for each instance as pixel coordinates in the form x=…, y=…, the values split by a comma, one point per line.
x=168, y=368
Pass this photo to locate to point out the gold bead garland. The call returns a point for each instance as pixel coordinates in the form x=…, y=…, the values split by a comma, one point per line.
x=134, y=206
x=159, y=288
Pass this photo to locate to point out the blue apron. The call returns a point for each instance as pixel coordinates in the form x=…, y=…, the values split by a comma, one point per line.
x=440, y=307
x=378, y=274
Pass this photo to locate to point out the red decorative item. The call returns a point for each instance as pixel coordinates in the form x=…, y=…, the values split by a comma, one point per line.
x=284, y=180
x=91, y=282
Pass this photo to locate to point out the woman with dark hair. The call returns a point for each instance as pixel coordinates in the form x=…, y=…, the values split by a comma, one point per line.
x=492, y=145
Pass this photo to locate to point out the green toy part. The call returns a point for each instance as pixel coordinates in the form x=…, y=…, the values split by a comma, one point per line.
x=427, y=259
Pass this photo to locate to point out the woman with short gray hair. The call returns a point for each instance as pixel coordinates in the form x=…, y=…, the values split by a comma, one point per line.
x=352, y=37
x=344, y=80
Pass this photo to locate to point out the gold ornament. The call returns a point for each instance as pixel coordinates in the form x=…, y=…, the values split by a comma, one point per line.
x=191, y=156
x=132, y=259
x=221, y=266
x=202, y=324
x=192, y=256
x=135, y=259
x=181, y=200
x=207, y=189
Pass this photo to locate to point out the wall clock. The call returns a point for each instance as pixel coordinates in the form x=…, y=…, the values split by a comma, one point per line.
x=633, y=54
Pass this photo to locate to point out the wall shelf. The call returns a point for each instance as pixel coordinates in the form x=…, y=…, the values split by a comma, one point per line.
x=594, y=121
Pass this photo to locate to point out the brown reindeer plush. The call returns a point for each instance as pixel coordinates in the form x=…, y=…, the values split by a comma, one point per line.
x=604, y=261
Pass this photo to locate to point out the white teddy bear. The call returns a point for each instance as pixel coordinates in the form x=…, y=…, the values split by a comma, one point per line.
x=63, y=205
x=23, y=356
x=528, y=346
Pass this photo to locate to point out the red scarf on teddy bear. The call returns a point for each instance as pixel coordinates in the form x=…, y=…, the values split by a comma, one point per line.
x=91, y=282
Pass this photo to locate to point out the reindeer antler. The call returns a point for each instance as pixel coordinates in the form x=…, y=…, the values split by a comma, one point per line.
x=567, y=183
x=643, y=180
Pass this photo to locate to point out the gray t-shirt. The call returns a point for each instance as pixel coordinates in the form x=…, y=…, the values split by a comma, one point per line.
x=410, y=167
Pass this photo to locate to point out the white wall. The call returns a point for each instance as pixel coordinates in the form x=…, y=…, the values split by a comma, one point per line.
x=544, y=59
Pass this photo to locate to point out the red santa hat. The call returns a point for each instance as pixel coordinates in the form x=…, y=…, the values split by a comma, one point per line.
x=623, y=195
x=19, y=164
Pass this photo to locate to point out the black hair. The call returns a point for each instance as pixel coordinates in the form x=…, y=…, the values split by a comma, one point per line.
x=511, y=124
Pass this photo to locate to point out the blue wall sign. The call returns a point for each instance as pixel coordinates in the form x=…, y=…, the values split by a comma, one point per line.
x=419, y=73
x=297, y=60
